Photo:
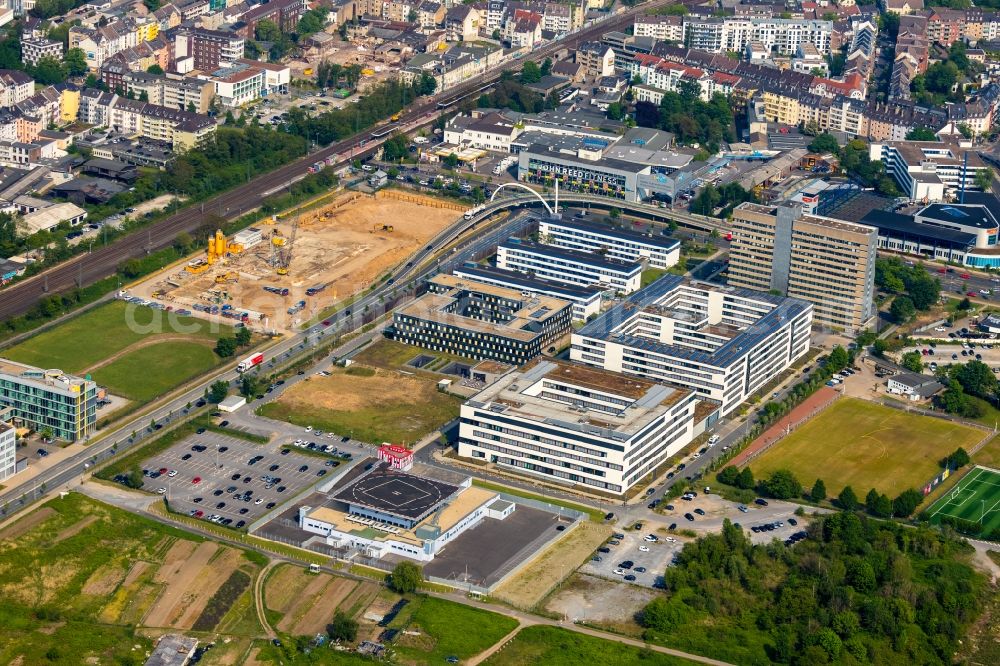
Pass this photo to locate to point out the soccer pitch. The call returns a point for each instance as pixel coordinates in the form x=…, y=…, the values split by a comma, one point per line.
x=975, y=498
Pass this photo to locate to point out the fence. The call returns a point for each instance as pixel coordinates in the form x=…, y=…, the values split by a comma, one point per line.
x=420, y=199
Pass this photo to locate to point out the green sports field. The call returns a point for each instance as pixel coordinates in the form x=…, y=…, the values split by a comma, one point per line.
x=137, y=352
x=976, y=498
x=866, y=445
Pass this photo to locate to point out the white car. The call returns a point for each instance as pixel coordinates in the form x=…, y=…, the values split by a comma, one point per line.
x=260, y=500
x=940, y=329
x=161, y=490
x=671, y=539
x=985, y=292
x=713, y=439
x=309, y=428
x=649, y=538
x=619, y=572
x=172, y=473
x=643, y=549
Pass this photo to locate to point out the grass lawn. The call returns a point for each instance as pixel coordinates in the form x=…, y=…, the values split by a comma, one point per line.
x=393, y=355
x=149, y=372
x=989, y=455
x=651, y=275
x=449, y=629
x=865, y=445
x=95, y=335
x=554, y=646
x=382, y=407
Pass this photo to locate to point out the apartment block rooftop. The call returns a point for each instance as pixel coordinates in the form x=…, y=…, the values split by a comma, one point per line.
x=533, y=393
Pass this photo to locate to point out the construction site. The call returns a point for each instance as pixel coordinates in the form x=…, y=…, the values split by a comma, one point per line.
x=289, y=268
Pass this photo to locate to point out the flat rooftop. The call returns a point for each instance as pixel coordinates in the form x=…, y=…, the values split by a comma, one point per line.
x=396, y=493
x=898, y=224
x=525, y=323
x=520, y=394
x=51, y=378
x=526, y=283
x=819, y=220
x=585, y=258
x=969, y=215
x=649, y=299
x=653, y=240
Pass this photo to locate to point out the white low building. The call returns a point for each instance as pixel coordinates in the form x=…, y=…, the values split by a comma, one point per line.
x=582, y=269
x=583, y=236
x=576, y=425
x=389, y=512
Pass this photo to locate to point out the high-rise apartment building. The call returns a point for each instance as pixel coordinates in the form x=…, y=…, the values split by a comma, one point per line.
x=829, y=263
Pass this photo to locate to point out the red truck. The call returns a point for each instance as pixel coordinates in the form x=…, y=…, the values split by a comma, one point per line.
x=250, y=362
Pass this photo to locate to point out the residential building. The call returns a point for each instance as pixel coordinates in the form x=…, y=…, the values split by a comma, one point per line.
x=185, y=94
x=775, y=34
x=180, y=129
x=100, y=43
x=586, y=300
x=480, y=321
x=238, y=85
x=15, y=87
x=283, y=13
x=209, y=49
x=485, y=131
x=620, y=244
x=827, y=262
x=583, y=269
x=577, y=425
x=461, y=23
x=8, y=450
x=34, y=49
x=48, y=400
x=722, y=343
x=660, y=28
x=597, y=59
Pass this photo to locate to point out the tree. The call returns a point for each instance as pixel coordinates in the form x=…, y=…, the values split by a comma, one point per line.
x=496, y=34
x=976, y=378
x=343, y=627
x=818, y=492
x=395, y=148
x=847, y=500
x=267, y=31
x=906, y=503
x=243, y=336
x=879, y=347
x=956, y=459
x=49, y=71
x=133, y=478
x=546, y=68
x=530, y=72
x=984, y=179
x=405, y=577
x=825, y=143
x=311, y=22
x=218, y=391
x=782, y=484
x=728, y=475
x=225, y=347
x=616, y=111
x=902, y=309
x=75, y=61
x=745, y=479
x=451, y=161
x=838, y=358
x=921, y=134
x=878, y=504
x=913, y=361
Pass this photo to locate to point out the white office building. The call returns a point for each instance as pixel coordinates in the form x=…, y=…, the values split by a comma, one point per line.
x=619, y=244
x=577, y=268
x=586, y=300
x=577, y=425
x=8, y=451
x=723, y=343
x=774, y=34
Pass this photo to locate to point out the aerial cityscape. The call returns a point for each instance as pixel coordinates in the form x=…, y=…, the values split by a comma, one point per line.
x=499, y=332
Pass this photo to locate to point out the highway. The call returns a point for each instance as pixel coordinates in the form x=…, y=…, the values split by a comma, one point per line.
x=87, y=268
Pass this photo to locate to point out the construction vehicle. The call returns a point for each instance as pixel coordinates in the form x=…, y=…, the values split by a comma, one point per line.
x=394, y=118
x=312, y=291
x=231, y=276
x=280, y=291
x=381, y=227
x=282, y=271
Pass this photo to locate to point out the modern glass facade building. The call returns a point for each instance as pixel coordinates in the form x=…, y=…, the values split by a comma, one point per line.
x=49, y=399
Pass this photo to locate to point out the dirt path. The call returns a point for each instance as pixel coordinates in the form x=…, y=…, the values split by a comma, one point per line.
x=25, y=525
x=147, y=342
x=258, y=598
x=73, y=530
x=493, y=649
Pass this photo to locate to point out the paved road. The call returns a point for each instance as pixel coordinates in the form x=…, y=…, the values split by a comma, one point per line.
x=103, y=261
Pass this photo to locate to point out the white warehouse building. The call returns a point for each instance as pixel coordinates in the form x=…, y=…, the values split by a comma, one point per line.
x=723, y=343
x=577, y=425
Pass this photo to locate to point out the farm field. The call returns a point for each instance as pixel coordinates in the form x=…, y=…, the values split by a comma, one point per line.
x=78, y=577
x=975, y=498
x=304, y=603
x=554, y=646
x=370, y=405
x=137, y=352
x=865, y=445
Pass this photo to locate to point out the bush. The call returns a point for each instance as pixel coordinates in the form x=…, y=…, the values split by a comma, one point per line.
x=782, y=484
x=405, y=577
x=343, y=627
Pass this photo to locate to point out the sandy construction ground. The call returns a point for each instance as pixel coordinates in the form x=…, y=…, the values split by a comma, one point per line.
x=343, y=245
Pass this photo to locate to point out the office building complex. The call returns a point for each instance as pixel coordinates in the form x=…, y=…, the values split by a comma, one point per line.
x=556, y=264
x=480, y=321
x=620, y=244
x=827, y=262
x=723, y=343
x=49, y=400
x=577, y=425
x=586, y=300
x=929, y=170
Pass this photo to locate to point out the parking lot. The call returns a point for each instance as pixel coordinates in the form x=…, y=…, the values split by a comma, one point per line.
x=223, y=476
x=647, y=566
